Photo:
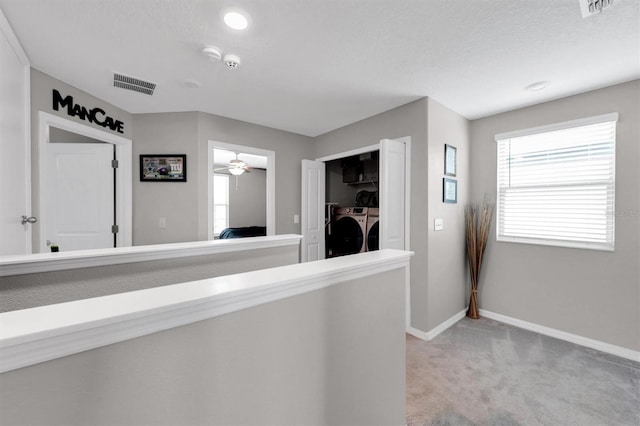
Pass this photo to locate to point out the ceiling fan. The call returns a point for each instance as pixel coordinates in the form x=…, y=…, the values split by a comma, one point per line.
x=236, y=167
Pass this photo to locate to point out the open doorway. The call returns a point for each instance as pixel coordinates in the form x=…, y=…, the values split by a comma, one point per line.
x=241, y=195
x=390, y=193
x=351, y=204
x=394, y=201
x=85, y=186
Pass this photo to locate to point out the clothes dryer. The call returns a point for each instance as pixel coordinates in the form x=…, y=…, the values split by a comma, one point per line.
x=373, y=215
x=348, y=231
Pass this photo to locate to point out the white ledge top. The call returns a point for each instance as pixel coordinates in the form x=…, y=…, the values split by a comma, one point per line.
x=46, y=262
x=43, y=333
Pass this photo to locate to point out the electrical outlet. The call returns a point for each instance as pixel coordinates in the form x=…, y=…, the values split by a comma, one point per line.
x=162, y=222
x=296, y=218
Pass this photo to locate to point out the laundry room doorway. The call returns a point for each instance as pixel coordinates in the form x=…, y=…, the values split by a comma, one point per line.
x=356, y=201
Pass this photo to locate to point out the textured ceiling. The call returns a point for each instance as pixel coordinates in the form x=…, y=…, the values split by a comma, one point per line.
x=310, y=66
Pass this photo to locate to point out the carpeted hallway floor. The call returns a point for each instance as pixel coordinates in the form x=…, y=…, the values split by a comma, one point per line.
x=482, y=372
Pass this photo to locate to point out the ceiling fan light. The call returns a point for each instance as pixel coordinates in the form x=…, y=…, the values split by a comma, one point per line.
x=236, y=171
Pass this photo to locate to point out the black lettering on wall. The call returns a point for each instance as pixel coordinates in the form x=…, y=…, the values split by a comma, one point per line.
x=95, y=115
x=66, y=102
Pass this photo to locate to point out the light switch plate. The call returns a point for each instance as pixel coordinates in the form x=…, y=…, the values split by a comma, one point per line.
x=296, y=218
x=438, y=224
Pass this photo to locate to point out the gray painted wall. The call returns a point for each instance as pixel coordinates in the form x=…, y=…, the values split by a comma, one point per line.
x=185, y=205
x=290, y=149
x=438, y=277
x=590, y=293
x=62, y=136
x=46, y=288
x=248, y=202
x=177, y=202
x=308, y=359
x=42, y=86
x=447, y=278
x=407, y=120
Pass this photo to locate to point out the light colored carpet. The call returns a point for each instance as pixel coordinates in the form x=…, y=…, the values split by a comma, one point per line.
x=482, y=372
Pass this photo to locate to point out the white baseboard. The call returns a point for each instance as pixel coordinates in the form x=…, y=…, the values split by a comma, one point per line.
x=563, y=335
x=429, y=335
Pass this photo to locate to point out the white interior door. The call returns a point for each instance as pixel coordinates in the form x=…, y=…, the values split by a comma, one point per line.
x=15, y=145
x=79, y=196
x=392, y=194
x=313, y=183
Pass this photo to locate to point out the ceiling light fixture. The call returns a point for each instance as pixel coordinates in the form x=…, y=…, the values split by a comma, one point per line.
x=232, y=61
x=236, y=20
x=236, y=171
x=537, y=86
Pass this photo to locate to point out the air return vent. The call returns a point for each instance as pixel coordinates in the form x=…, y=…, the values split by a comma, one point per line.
x=593, y=7
x=130, y=83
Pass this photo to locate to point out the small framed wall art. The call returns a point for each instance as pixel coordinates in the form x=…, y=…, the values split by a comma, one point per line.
x=449, y=190
x=163, y=168
x=450, y=160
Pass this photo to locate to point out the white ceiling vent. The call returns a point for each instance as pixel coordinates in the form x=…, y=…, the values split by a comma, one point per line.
x=130, y=83
x=593, y=7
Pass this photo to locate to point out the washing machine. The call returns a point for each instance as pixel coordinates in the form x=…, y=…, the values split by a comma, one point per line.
x=373, y=215
x=349, y=230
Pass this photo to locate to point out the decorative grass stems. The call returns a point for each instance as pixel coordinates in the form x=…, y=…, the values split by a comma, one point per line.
x=478, y=222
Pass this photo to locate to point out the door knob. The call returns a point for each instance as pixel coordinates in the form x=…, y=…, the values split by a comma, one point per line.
x=31, y=219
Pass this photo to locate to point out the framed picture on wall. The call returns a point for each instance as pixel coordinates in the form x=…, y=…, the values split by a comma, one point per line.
x=163, y=168
x=449, y=190
x=450, y=160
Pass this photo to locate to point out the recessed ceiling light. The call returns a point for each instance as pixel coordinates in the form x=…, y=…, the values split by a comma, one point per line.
x=236, y=20
x=537, y=86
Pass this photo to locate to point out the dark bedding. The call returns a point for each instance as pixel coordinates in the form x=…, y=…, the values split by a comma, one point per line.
x=248, y=231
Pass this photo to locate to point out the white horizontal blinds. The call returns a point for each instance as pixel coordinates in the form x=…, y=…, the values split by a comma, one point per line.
x=557, y=187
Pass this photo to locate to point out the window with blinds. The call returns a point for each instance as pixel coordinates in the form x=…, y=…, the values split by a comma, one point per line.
x=556, y=184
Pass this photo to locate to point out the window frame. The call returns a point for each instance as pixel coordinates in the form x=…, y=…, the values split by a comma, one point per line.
x=599, y=119
x=214, y=204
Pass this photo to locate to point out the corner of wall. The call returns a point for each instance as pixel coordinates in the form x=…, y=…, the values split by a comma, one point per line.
x=446, y=268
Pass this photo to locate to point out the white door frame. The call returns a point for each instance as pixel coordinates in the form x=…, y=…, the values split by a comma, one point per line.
x=407, y=184
x=124, y=172
x=270, y=175
x=13, y=41
x=407, y=205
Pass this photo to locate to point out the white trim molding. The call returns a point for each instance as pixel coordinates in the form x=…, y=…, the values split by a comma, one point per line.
x=47, y=262
x=350, y=153
x=7, y=30
x=563, y=335
x=431, y=334
x=44, y=333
